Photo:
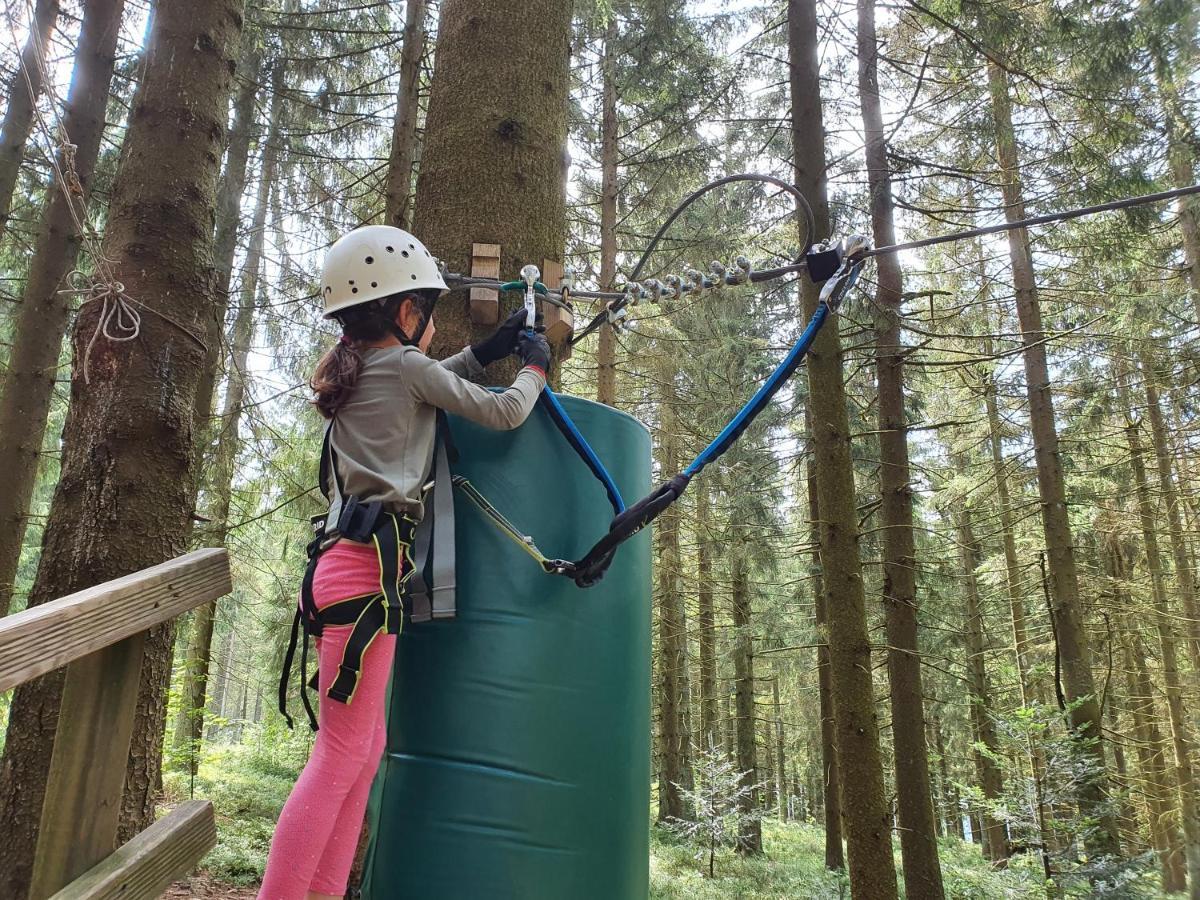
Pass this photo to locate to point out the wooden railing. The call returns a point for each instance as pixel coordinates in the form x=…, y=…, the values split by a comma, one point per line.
x=98, y=634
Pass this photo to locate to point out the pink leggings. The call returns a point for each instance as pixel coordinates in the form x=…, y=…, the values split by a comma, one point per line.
x=314, y=843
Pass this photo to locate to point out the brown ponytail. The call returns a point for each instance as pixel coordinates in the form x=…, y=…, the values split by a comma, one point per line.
x=339, y=368
x=336, y=375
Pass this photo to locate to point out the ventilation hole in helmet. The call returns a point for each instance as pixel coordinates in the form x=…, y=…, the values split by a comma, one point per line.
x=374, y=284
x=351, y=282
x=391, y=249
x=328, y=289
x=414, y=276
x=370, y=259
x=412, y=246
x=404, y=253
x=354, y=290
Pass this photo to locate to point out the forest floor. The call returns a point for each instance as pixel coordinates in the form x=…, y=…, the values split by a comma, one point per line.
x=248, y=785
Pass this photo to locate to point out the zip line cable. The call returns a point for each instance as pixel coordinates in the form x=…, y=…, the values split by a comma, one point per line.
x=835, y=266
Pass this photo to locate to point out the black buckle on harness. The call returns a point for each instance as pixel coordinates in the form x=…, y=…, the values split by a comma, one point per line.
x=358, y=521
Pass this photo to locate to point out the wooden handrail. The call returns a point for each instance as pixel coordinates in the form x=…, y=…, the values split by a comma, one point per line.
x=147, y=865
x=99, y=634
x=43, y=638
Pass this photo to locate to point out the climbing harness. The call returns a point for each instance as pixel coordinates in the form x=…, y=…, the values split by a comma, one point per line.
x=370, y=614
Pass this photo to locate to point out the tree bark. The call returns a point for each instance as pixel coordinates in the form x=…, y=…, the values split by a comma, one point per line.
x=1164, y=620
x=1184, y=577
x=124, y=500
x=1151, y=749
x=399, y=191
x=865, y=807
x=706, y=624
x=918, y=830
x=1181, y=159
x=493, y=167
x=749, y=839
x=229, y=219
x=189, y=727
x=675, y=769
x=835, y=858
x=781, y=792
x=41, y=318
x=1060, y=552
x=606, y=350
x=24, y=89
x=987, y=770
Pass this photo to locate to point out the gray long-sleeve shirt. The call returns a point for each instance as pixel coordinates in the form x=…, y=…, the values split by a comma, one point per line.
x=384, y=434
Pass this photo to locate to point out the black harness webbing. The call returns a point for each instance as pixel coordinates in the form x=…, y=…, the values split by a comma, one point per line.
x=372, y=614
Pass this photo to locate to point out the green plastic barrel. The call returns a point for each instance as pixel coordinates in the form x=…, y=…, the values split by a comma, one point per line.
x=518, y=756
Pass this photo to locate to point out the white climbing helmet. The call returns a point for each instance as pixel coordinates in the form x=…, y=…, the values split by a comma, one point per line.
x=376, y=261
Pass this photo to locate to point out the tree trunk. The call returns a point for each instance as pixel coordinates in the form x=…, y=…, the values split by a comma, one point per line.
x=866, y=814
x=674, y=774
x=1151, y=749
x=221, y=688
x=229, y=220
x=493, y=167
x=749, y=839
x=398, y=211
x=606, y=350
x=986, y=768
x=41, y=318
x=1060, y=554
x=1184, y=578
x=706, y=623
x=1181, y=141
x=190, y=725
x=123, y=502
x=781, y=791
x=24, y=89
x=1165, y=622
x=830, y=781
x=918, y=831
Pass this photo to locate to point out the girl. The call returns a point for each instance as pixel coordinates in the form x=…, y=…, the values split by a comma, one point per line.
x=381, y=394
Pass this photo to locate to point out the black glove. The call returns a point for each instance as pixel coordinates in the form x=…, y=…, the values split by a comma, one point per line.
x=534, y=351
x=503, y=341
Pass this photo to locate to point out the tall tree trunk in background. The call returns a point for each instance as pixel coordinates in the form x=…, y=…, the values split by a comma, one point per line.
x=1151, y=749
x=706, y=623
x=404, y=127
x=831, y=785
x=749, y=838
x=986, y=768
x=675, y=768
x=24, y=89
x=865, y=808
x=493, y=168
x=781, y=791
x=1181, y=158
x=229, y=217
x=124, y=499
x=914, y=796
x=190, y=725
x=41, y=318
x=954, y=818
x=1165, y=622
x=221, y=688
x=606, y=349
x=1060, y=553
x=1184, y=577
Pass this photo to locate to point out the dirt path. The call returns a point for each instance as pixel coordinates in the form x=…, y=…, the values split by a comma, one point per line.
x=200, y=886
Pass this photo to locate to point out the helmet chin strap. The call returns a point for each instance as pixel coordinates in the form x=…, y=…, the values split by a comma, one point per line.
x=414, y=341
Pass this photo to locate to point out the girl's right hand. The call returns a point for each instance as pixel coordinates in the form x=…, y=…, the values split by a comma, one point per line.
x=534, y=351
